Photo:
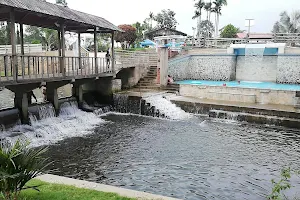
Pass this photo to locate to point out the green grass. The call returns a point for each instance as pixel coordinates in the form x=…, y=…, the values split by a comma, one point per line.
x=50, y=191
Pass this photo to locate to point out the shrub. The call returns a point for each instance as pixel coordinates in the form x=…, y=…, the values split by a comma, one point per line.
x=18, y=165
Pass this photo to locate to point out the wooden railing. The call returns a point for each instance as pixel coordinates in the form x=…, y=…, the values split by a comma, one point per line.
x=19, y=68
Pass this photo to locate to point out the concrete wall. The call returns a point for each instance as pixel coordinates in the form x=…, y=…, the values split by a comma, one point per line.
x=242, y=95
x=280, y=69
x=256, y=68
x=288, y=69
x=131, y=76
x=203, y=67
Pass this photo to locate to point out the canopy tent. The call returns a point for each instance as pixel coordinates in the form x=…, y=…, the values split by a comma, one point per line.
x=147, y=43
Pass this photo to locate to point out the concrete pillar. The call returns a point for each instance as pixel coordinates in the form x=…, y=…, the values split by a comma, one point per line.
x=21, y=102
x=163, y=66
x=52, y=97
x=77, y=91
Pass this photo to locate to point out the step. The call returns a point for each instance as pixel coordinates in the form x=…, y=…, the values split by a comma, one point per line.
x=255, y=118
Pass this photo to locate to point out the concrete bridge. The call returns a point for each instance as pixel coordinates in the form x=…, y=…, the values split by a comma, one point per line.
x=21, y=73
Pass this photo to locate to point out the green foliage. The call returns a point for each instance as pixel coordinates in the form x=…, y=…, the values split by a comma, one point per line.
x=127, y=37
x=140, y=28
x=38, y=35
x=4, y=34
x=62, y=2
x=18, y=165
x=229, y=31
x=50, y=191
x=281, y=185
x=206, y=29
x=288, y=23
x=166, y=19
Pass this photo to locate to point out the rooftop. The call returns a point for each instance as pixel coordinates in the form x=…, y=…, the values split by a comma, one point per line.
x=48, y=15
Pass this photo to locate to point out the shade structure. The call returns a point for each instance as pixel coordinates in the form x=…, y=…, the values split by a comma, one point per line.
x=147, y=43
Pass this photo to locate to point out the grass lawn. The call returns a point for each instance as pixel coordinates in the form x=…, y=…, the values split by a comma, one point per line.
x=50, y=191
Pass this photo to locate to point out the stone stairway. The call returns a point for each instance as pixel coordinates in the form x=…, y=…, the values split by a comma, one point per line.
x=149, y=80
x=172, y=87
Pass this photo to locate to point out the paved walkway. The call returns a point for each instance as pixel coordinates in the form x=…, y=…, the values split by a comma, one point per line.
x=100, y=187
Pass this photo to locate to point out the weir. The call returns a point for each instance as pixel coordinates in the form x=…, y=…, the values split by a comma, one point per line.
x=46, y=128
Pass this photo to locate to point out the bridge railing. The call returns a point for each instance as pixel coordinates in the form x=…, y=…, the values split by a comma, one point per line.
x=46, y=67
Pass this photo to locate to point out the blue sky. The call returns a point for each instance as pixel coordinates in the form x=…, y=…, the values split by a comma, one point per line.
x=265, y=12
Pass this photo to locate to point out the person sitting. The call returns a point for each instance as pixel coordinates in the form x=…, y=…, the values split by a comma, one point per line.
x=170, y=80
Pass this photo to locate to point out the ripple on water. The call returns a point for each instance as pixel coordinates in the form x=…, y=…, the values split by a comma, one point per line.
x=183, y=159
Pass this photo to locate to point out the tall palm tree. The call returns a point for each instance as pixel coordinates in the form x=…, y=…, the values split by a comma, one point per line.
x=217, y=10
x=151, y=16
x=208, y=7
x=198, y=12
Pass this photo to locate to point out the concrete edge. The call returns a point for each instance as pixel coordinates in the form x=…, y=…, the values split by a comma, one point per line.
x=102, y=188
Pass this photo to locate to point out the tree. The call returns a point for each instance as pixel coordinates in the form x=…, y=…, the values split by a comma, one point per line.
x=288, y=23
x=208, y=7
x=198, y=12
x=18, y=165
x=44, y=36
x=127, y=37
x=217, y=10
x=230, y=31
x=206, y=29
x=62, y=2
x=166, y=19
x=139, y=32
x=151, y=17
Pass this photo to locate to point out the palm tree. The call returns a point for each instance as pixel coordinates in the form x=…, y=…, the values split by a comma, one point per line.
x=288, y=23
x=208, y=7
x=217, y=10
x=198, y=12
x=151, y=16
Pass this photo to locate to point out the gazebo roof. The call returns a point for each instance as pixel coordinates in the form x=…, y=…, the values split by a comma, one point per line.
x=48, y=15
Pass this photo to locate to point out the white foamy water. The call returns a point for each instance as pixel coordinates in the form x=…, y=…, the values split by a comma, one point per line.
x=166, y=107
x=71, y=122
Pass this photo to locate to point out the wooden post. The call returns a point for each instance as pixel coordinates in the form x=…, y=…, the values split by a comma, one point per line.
x=13, y=44
x=22, y=39
x=79, y=51
x=59, y=42
x=63, y=51
x=96, y=50
x=22, y=50
x=113, y=52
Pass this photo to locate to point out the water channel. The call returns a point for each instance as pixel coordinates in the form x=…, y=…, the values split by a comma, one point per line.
x=191, y=158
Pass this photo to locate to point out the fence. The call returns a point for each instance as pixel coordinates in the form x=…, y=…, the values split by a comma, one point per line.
x=28, y=48
x=43, y=67
x=125, y=59
x=289, y=38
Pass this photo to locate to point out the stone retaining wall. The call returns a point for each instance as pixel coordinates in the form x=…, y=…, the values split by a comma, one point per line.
x=280, y=69
x=203, y=67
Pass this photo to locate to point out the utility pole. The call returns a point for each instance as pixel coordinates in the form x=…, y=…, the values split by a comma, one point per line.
x=249, y=27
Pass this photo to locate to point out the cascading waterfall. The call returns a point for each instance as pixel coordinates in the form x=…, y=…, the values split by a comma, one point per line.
x=71, y=122
x=166, y=107
x=254, y=54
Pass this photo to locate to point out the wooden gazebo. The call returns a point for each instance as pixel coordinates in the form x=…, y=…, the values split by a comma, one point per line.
x=47, y=15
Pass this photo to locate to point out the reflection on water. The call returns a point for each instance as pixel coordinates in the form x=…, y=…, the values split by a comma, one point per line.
x=195, y=159
x=7, y=97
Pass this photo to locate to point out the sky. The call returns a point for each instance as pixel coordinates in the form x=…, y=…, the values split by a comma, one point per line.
x=265, y=12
